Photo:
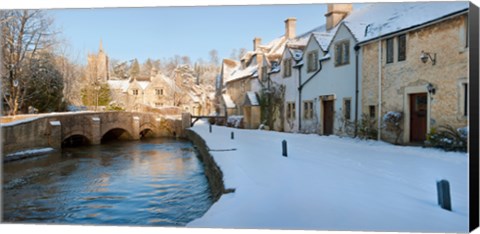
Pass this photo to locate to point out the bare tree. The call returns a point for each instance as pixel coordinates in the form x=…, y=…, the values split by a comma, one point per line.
x=213, y=57
x=25, y=34
x=71, y=74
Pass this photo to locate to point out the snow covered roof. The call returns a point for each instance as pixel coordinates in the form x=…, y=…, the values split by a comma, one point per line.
x=228, y=101
x=381, y=19
x=194, y=97
x=143, y=84
x=241, y=73
x=297, y=54
x=118, y=84
x=251, y=99
x=324, y=38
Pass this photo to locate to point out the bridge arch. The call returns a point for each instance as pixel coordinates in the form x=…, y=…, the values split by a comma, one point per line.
x=116, y=133
x=147, y=130
x=76, y=139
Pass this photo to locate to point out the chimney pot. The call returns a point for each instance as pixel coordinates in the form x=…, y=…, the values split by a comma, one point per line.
x=336, y=13
x=290, y=28
x=256, y=42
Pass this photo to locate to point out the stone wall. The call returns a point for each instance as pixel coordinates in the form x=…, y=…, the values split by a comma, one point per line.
x=399, y=79
x=212, y=171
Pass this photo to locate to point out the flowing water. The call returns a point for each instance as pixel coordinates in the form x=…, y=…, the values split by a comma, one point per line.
x=155, y=182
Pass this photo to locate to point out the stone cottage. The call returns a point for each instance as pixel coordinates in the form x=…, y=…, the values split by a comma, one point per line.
x=415, y=65
x=245, y=84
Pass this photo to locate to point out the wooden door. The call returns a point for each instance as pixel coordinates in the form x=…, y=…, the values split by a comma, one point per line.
x=418, y=117
x=328, y=114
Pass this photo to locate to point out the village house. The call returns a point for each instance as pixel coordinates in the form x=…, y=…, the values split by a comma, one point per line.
x=155, y=90
x=330, y=82
x=420, y=75
x=245, y=84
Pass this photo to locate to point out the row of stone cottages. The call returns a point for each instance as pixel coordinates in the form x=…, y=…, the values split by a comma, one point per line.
x=406, y=59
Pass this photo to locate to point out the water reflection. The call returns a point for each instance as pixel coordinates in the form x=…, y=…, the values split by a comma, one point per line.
x=152, y=182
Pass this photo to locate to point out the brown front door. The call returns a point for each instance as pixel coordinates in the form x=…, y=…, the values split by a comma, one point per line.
x=328, y=117
x=418, y=117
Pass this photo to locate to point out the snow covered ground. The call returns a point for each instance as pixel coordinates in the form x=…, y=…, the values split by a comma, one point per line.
x=332, y=183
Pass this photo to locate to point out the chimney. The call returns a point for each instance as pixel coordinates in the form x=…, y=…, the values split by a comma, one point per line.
x=290, y=26
x=256, y=42
x=336, y=13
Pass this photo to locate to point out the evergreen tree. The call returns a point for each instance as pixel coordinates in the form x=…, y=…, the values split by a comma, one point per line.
x=135, y=69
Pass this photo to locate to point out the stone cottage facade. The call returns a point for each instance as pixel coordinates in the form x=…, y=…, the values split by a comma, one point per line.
x=423, y=73
x=407, y=60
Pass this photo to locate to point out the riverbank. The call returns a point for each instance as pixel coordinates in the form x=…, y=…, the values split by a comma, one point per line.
x=332, y=183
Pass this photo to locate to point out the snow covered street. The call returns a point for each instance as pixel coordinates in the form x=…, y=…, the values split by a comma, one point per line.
x=332, y=183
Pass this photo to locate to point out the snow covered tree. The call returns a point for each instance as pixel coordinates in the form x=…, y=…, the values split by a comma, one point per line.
x=45, y=91
x=25, y=34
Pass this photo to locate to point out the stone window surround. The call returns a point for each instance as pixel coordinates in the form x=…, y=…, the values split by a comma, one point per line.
x=308, y=109
x=461, y=98
x=395, y=49
x=290, y=110
x=312, y=58
x=342, y=62
x=406, y=109
x=287, y=67
x=400, y=59
x=345, y=108
x=390, y=51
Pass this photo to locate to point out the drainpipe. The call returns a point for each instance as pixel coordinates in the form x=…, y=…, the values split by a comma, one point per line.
x=299, y=67
x=300, y=87
x=379, y=134
x=357, y=49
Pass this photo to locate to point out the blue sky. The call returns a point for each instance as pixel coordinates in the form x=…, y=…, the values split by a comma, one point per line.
x=163, y=32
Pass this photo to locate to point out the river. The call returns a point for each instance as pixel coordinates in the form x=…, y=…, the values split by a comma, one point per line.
x=153, y=182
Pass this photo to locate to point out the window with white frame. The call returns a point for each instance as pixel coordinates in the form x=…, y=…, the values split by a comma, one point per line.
x=159, y=92
x=135, y=91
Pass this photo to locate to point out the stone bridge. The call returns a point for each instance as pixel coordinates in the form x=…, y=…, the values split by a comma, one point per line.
x=55, y=130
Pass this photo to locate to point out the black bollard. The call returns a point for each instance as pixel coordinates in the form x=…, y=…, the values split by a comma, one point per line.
x=232, y=136
x=210, y=128
x=284, y=148
x=443, y=193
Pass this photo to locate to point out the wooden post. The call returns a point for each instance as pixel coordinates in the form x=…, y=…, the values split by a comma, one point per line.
x=443, y=193
x=210, y=127
x=232, y=136
x=284, y=148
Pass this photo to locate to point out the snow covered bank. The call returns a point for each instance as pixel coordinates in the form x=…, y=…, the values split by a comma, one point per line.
x=27, y=153
x=332, y=183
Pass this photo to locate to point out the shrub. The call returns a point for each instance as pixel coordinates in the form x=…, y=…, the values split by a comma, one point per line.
x=392, y=123
x=366, y=127
x=448, y=138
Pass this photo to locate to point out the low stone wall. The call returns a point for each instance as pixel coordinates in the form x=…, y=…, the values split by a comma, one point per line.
x=212, y=171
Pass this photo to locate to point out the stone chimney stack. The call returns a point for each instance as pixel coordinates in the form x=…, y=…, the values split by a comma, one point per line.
x=290, y=28
x=256, y=42
x=336, y=13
